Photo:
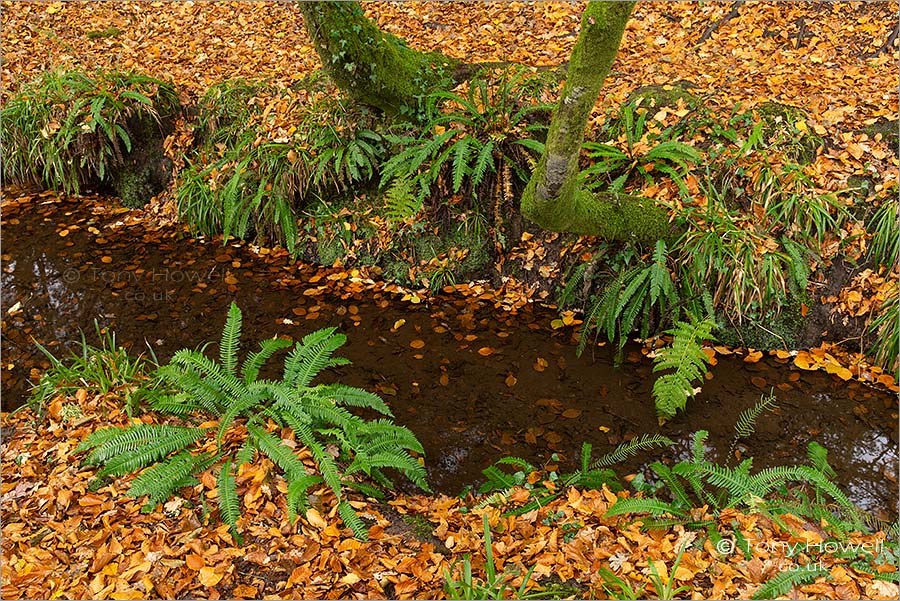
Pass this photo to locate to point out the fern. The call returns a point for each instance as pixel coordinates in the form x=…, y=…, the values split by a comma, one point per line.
x=782, y=583
x=318, y=415
x=229, y=507
x=818, y=456
x=626, y=450
x=297, y=503
x=313, y=355
x=352, y=520
x=163, y=479
x=654, y=507
x=671, y=391
x=746, y=423
x=400, y=203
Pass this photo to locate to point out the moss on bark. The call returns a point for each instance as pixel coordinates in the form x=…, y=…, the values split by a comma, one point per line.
x=553, y=198
x=373, y=67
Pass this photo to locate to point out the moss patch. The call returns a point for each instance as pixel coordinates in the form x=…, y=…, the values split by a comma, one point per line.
x=780, y=131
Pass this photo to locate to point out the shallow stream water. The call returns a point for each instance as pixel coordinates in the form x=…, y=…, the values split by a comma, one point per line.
x=529, y=395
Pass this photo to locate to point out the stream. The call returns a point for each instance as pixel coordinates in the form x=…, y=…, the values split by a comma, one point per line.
x=473, y=382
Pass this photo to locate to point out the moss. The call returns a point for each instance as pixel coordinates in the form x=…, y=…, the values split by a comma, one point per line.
x=330, y=250
x=667, y=95
x=775, y=331
x=370, y=65
x=109, y=32
x=421, y=527
x=780, y=132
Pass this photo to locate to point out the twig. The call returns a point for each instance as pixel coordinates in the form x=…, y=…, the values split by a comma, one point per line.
x=714, y=26
x=888, y=45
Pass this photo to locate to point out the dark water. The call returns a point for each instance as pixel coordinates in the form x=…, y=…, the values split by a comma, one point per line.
x=163, y=289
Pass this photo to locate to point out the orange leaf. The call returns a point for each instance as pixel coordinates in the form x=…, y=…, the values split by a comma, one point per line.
x=753, y=356
x=194, y=561
x=485, y=351
x=510, y=380
x=209, y=577
x=417, y=343
x=571, y=413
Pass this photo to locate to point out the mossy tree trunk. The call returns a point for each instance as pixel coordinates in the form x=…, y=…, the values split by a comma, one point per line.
x=553, y=198
x=373, y=67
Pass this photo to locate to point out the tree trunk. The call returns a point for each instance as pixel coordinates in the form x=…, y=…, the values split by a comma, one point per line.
x=373, y=67
x=553, y=198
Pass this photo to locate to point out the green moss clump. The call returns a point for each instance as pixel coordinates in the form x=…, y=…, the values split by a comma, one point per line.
x=780, y=132
x=776, y=331
x=667, y=95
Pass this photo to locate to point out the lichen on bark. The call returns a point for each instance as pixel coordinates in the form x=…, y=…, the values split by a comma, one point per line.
x=371, y=66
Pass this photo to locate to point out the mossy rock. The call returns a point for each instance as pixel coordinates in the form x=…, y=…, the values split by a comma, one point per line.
x=783, y=330
x=666, y=95
x=146, y=170
x=780, y=132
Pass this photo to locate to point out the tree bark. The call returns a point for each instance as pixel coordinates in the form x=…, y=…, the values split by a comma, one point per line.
x=371, y=66
x=553, y=198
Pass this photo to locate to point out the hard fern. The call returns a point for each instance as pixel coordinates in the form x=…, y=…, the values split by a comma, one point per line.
x=783, y=582
x=229, y=506
x=686, y=357
x=746, y=423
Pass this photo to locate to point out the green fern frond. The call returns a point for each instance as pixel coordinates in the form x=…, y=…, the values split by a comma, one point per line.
x=312, y=355
x=355, y=397
x=627, y=449
x=685, y=355
x=163, y=479
x=736, y=481
x=460, y=161
x=325, y=462
x=280, y=454
x=575, y=281
x=400, y=202
x=654, y=507
x=672, y=483
x=297, y=503
x=498, y=499
x=144, y=438
x=746, y=423
x=229, y=506
x=231, y=338
x=352, y=520
x=254, y=361
x=818, y=456
x=483, y=164
x=782, y=583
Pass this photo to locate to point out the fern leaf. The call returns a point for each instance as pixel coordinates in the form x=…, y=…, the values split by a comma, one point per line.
x=782, y=584
x=163, y=479
x=483, y=164
x=654, y=507
x=460, y=161
x=148, y=439
x=625, y=450
x=297, y=503
x=400, y=203
x=818, y=456
x=352, y=520
x=355, y=397
x=280, y=454
x=746, y=423
x=254, y=361
x=325, y=462
x=311, y=356
x=229, y=506
x=687, y=358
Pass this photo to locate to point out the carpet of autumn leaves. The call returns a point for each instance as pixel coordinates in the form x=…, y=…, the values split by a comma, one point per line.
x=62, y=541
